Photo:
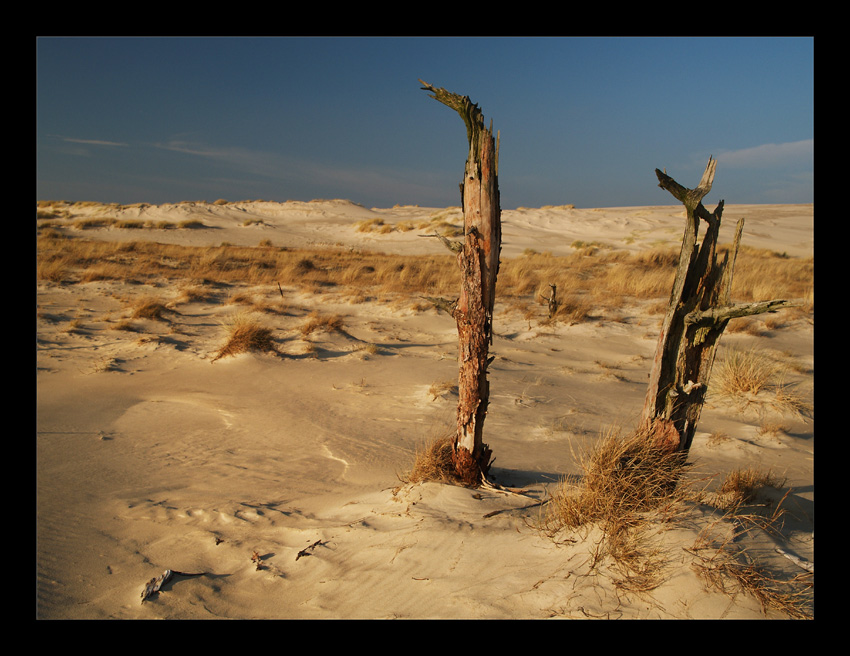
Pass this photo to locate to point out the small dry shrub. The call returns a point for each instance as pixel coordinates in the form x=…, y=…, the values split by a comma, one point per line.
x=573, y=309
x=621, y=475
x=125, y=325
x=55, y=270
x=743, y=373
x=326, y=323
x=149, y=308
x=246, y=334
x=740, y=487
x=304, y=265
x=718, y=437
x=195, y=294
x=442, y=388
x=629, y=486
x=371, y=225
x=773, y=428
x=241, y=298
x=433, y=463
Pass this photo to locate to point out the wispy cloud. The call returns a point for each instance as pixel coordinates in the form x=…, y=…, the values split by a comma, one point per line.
x=93, y=142
x=242, y=159
x=769, y=155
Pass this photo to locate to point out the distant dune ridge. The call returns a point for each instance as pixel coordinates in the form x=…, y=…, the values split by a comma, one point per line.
x=238, y=390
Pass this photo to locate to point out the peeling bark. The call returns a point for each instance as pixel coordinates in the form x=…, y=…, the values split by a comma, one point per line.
x=478, y=259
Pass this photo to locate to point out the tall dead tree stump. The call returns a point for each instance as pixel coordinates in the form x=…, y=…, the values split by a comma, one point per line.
x=698, y=312
x=478, y=258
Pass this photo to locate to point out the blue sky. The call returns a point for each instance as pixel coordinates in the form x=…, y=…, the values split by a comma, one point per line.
x=583, y=120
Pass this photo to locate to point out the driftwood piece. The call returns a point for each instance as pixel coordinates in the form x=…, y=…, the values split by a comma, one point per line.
x=308, y=551
x=698, y=311
x=799, y=562
x=155, y=584
x=478, y=259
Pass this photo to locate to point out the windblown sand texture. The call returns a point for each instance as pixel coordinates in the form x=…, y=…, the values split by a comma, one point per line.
x=275, y=474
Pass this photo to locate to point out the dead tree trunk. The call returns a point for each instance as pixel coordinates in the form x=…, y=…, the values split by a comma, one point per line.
x=552, y=301
x=697, y=314
x=478, y=258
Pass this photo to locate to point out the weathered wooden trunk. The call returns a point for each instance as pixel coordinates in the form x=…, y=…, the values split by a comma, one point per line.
x=478, y=258
x=698, y=312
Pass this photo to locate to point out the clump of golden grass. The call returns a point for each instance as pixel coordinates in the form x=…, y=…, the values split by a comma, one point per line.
x=373, y=225
x=322, y=322
x=149, y=308
x=246, y=334
x=741, y=485
x=125, y=325
x=128, y=224
x=718, y=437
x=433, y=463
x=745, y=325
x=773, y=428
x=55, y=270
x=620, y=475
x=629, y=486
x=741, y=375
x=241, y=298
x=442, y=388
x=575, y=308
x=195, y=293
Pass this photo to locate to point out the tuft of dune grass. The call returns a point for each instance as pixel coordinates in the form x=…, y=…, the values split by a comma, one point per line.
x=740, y=486
x=433, y=463
x=149, y=308
x=620, y=475
x=246, y=334
x=627, y=484
x=748, y=377
x=322, y=322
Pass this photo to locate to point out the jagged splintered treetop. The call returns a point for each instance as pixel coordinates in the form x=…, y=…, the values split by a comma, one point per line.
x=471, y=114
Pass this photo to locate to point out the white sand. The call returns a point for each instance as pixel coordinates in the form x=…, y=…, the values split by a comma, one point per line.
x=151, y=457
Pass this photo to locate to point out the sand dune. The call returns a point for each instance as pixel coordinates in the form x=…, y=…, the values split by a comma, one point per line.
x=275, y=476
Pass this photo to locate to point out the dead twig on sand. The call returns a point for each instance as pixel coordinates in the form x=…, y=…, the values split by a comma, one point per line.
x=307, y=551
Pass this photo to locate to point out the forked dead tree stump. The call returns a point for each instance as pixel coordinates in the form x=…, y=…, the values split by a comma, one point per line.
x=552, y=301
x=478, y=258
x=698, y=312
